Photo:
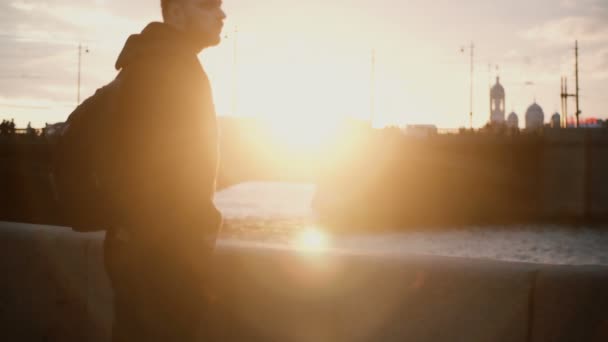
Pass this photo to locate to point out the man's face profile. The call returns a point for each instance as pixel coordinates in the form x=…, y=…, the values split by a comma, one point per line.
x=201, y=19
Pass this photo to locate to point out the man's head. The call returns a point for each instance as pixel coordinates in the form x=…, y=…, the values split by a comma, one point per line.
x=202, y=20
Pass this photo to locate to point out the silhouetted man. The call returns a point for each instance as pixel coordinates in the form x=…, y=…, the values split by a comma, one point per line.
x=161, y=171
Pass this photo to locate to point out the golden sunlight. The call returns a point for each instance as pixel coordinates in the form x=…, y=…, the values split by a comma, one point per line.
x=312, y=240
x=303, y=134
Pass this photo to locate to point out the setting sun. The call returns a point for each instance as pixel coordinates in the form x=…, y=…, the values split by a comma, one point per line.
x=312, y=240
x=303, y=134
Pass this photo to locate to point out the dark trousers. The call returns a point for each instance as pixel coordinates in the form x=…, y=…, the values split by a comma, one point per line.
x=159, y=291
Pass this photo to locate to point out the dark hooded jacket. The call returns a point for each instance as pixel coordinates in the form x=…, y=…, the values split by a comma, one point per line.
x=164, y=140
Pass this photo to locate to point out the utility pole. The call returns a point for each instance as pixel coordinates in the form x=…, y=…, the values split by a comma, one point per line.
x=80, y=51
x=471, y=93
x=578, y=110
x=564, y=96
x=564, y=92
x=235, y=71
x=462, y=50
x=372, y=89
x=561, y=97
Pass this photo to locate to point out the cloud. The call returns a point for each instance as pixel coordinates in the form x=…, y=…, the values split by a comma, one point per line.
x=563, y=31
x=591, y=30
x=30, y=55
x=598, y=64
x=67, y=19
x=17, y=17
x=591, y=5
x=39, y=40
x=603, y=59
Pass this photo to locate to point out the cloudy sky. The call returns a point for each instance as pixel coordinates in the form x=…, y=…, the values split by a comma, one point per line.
x=311, y=59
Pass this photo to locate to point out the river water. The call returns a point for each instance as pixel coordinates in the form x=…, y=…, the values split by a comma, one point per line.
x=276, y=214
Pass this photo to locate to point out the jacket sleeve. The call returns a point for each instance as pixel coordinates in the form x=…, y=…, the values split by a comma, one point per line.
x=167, y=147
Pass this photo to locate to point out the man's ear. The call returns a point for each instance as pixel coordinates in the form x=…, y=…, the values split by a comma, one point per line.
x=176, y=15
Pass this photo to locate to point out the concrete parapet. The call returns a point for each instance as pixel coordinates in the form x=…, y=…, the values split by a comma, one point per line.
x=571, y=304
x=44, y=286
x=282, y=296
x=56, y=290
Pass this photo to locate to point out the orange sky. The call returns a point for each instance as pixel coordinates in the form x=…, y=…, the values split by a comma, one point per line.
x=310, y=60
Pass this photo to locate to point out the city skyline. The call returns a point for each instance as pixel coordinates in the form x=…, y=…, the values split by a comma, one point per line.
x=312, y=59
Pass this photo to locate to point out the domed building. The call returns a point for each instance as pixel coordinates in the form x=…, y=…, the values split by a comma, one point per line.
x=535, y=117
x=513, y=121
x=556, y=121
x=497, y=103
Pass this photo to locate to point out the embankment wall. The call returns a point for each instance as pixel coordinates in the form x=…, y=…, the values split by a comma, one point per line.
x=54, y=289
x=558, y=176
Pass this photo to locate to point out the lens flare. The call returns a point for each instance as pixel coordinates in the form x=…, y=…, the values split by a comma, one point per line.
x=312, y=240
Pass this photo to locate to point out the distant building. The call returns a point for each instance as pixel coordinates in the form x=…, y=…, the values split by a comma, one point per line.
x=513, y=121
x=535, y=117
x=556, y=121
x=497, y=104
x=591, y=123
x=421, y=130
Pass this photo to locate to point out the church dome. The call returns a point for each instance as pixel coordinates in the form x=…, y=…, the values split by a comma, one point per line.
x=513, y=120
x=497, y=90
x=535, y=117
x=556, y=120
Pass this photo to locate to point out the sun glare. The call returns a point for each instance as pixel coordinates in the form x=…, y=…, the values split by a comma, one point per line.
x=312, y=240
x=303, y=134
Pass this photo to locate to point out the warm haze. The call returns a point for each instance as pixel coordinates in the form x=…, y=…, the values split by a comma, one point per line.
x=304, y=63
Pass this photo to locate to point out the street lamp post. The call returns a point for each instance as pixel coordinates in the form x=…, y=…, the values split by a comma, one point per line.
x=372, y=89
x=234, y=95
x=81, y=49
x=472, y=51
x=235, y=88
x=471, y=91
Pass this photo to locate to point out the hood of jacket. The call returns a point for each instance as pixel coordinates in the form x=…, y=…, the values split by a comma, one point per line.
x=157, y=41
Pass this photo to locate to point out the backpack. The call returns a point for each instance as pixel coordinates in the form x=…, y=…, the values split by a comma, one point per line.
x=78, y=157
